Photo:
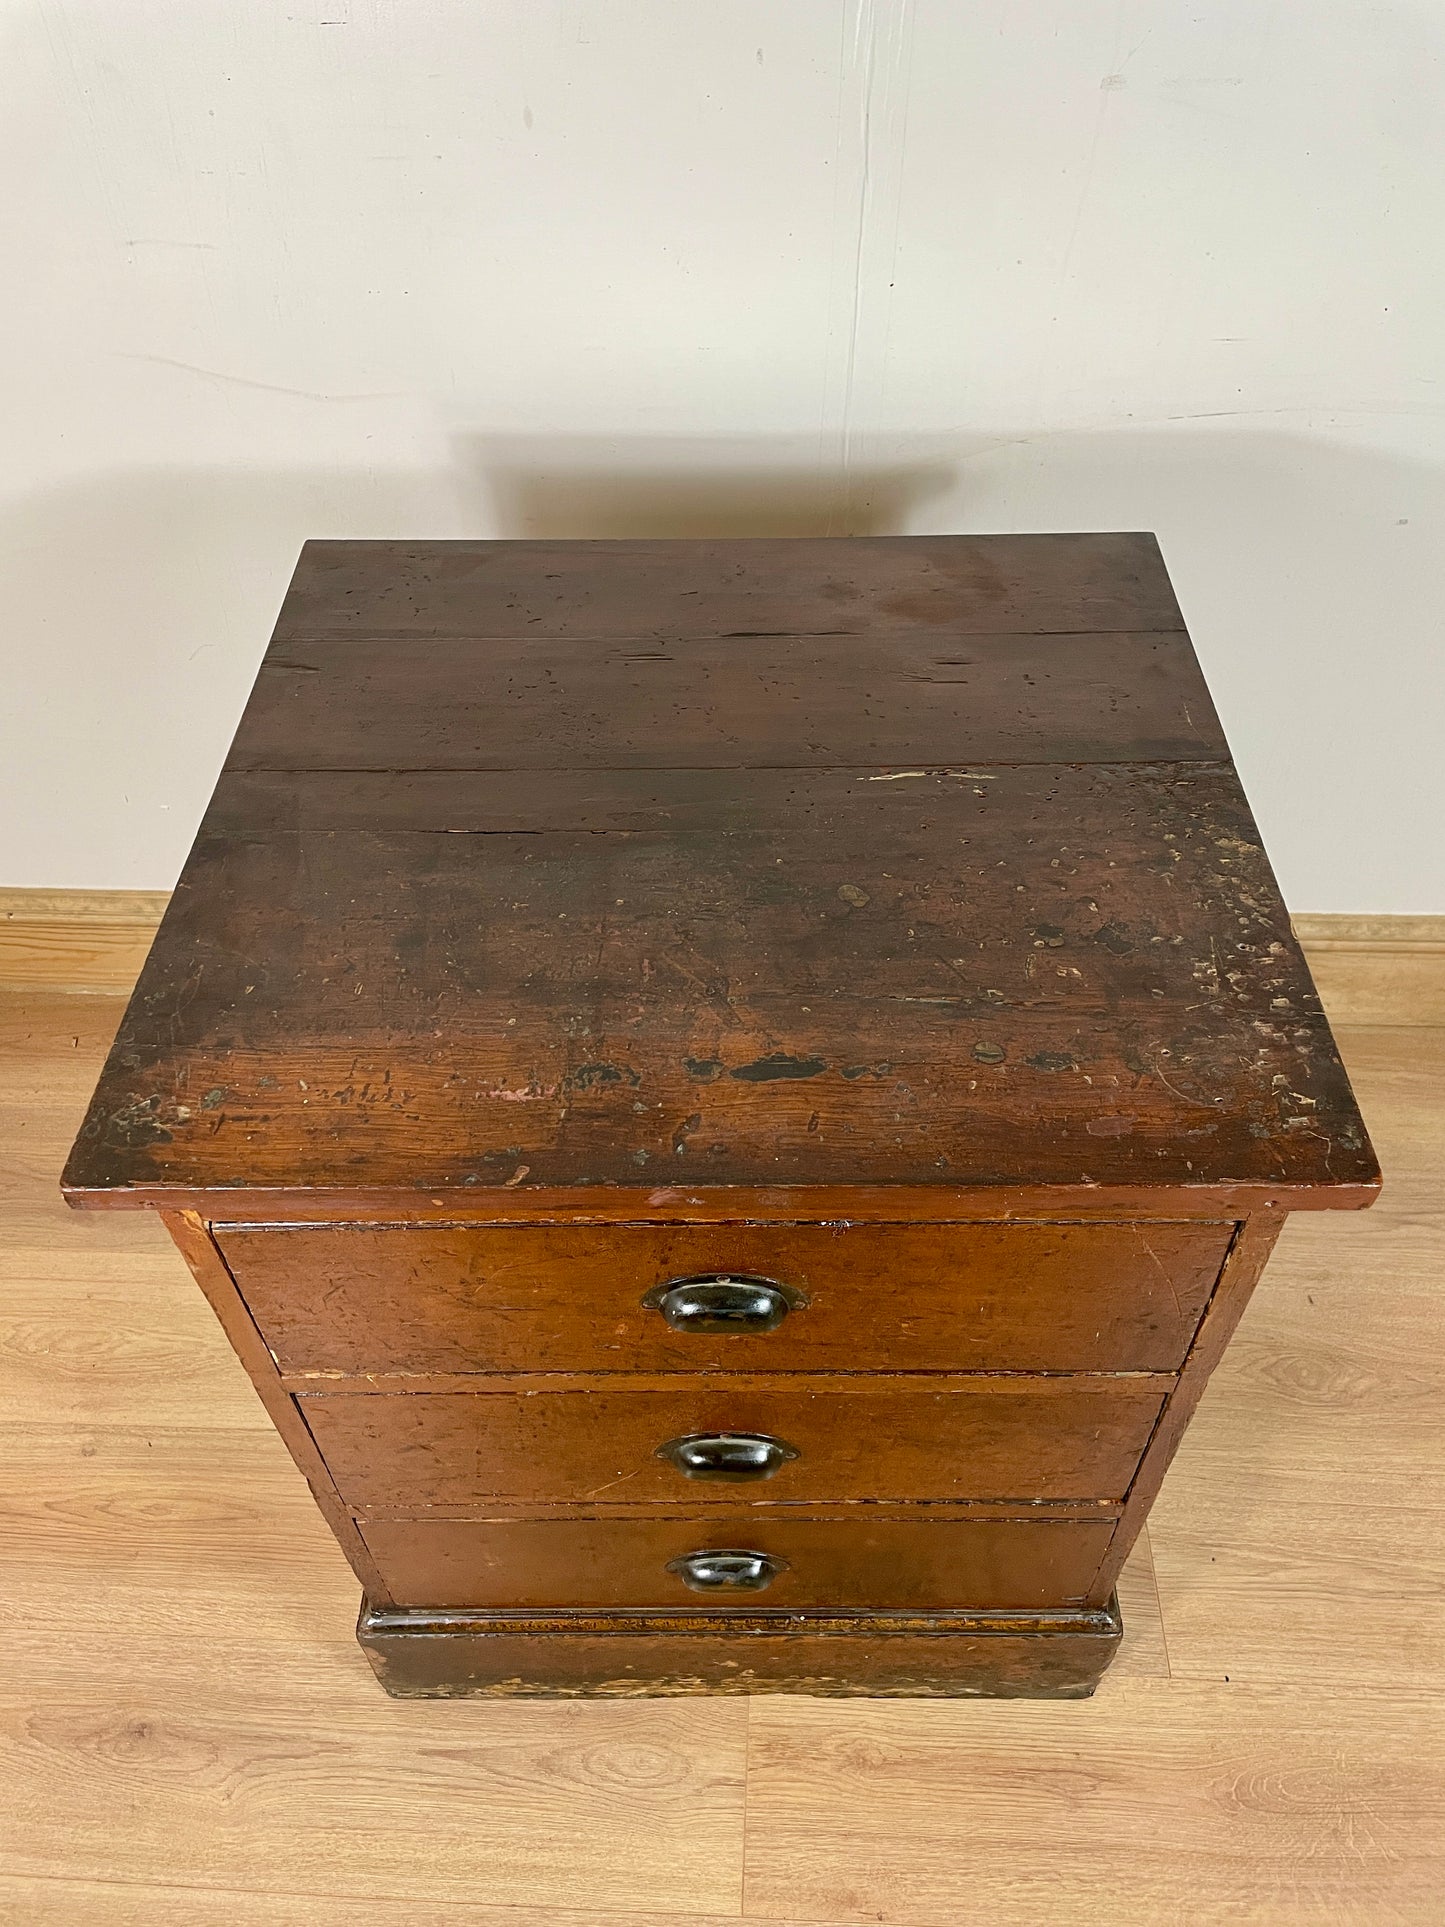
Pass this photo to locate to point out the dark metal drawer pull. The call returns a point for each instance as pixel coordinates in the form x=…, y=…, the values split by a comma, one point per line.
x=733, y=1456
x=721, y=1303
x=727, y=1570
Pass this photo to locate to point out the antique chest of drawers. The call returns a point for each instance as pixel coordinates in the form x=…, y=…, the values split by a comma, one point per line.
x=729, y=1096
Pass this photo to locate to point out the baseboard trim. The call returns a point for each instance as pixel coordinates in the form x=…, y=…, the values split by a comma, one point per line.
x=1370, y=970
x=77, y=940
x=1369, y=933
x=1377, y=972
x=87, y=906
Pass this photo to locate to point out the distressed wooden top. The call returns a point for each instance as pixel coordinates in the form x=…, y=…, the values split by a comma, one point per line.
x=712, y=870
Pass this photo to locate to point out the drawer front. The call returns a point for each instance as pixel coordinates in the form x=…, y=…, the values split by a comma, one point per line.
x=357, y=1299
x=848, y=1438
x=885, y=1564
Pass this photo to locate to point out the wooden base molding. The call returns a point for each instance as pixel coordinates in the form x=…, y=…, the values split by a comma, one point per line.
x=439, y=1655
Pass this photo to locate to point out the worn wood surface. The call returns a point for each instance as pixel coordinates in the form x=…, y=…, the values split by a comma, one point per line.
x=761, y=866
x=97, y=940
x=846, y=1561
x=1025, y=1298
x=864, y=1437
x=794, y=701
x=720, y=1205
x=191, y=1738
x=928, y=985
x=923, y=1657
x=662, y=591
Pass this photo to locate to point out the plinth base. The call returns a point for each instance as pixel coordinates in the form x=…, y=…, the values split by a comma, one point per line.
x=424, y=1655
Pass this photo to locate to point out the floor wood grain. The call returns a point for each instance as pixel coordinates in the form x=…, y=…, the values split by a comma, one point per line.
x=67, y=1903
x=188, y=1733
x=1163, y=1801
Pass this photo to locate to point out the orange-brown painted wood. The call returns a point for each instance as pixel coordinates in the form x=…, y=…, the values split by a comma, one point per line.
x=870, y=1436
x=726, y=1204
x=883, y=1564
x=356, y=1299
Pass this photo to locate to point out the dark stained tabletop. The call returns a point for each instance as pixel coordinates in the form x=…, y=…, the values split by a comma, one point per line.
x=675, y=866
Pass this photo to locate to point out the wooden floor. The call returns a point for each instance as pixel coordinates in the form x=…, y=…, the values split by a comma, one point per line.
x=191, y=1735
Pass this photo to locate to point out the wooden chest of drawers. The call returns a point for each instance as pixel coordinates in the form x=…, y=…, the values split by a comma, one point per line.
x=729, y=1096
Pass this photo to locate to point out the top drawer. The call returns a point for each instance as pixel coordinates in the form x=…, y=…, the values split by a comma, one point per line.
x=357, y=1299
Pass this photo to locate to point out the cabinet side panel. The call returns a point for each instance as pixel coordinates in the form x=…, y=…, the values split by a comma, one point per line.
x=194, y=1241
x=1247, y=1255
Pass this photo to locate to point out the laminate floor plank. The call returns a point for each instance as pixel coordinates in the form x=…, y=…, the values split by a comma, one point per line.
x=117, y=1353
x=285, y=1791
x=1144, y=1651
x=1305, y=1588
x=1156, y=1801
x=74, y=1903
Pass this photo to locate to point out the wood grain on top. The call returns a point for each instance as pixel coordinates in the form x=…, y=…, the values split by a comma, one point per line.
x=792, y=702
x=961, y=891
x=942, y=584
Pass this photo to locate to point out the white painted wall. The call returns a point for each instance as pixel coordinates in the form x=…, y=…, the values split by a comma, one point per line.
x=366, y=267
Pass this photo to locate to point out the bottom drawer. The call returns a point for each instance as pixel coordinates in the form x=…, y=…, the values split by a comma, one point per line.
x=882, y=1563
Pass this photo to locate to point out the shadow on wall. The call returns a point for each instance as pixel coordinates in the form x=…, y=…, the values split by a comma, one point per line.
x=623, y=488
x=1312, y=575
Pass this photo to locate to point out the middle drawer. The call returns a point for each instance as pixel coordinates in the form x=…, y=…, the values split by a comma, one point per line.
x=835, y=1438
